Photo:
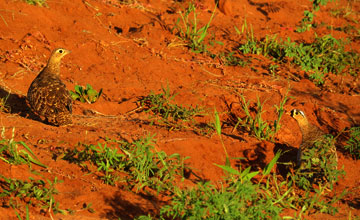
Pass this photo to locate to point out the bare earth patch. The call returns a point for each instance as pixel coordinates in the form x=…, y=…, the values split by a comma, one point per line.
x=130, y=49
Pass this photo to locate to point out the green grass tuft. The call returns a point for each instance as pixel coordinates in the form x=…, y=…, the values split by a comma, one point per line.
x=353, y=143
x=142, y=165
x=189, y=32
x=323, y=56
x=172, y=115
x=35, y=192
x=17, y=152
x=255, y=124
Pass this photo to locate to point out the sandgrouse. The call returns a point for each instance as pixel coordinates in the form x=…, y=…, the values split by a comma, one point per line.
x=48, y=96
x=310, y=135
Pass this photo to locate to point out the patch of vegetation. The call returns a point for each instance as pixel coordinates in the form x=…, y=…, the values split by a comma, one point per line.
x=35, y=192
x=217, y=126
x=239, y=194
x=255, y=124
x=307, y=21
x=143, y=167
x=41, y=3
x=236, y=198
x=151, y=168
x=87, y=94
x=353, y=143
x=325, y=55
x=286, y=194
x=16, y=152
x=106, y=159
x=319, y=165
x=240, y=200
x=139, y=162
x=189, y=32
x=312, y=183
x=273, y=68
x=172, y=115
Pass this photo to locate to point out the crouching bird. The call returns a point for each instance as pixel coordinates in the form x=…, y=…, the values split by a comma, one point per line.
x=315, y=145
x=47, y=94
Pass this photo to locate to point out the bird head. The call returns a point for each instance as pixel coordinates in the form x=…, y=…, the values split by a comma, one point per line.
x=58, y=54
x=53, y=65
x=300, y=117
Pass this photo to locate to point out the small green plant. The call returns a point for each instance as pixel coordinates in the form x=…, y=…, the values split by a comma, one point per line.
x=325, y=55
x=319, y=165
x=88, y=207
x=286, y=193
x=280, y=111
x=236, y=198
x=255, y=124
x=151, y=168
x=273, y=68
x=36, y=192
x=189, y=32
x=353, y=143
x=315, y=199
x=106, y=159
x=217, y=125
x=237, y=201
x=87, y=94
x=41, y=3
x=288, y=196
x=27, y=217
x=16, y=152
x=242, y=196
x=317, y=3
x=172, y=114
x=306, y=22
x=142, y=165
x=144, y=217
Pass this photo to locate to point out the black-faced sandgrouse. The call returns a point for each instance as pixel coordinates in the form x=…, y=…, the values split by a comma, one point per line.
x=47, y=94
x=310, y=135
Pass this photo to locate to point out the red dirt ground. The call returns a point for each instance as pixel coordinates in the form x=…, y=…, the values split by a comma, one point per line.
x=128, y=50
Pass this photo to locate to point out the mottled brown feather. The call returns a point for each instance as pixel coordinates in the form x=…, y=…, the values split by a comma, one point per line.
x=47, y=94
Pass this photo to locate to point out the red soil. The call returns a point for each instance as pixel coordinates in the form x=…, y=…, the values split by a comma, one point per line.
x=127, y=51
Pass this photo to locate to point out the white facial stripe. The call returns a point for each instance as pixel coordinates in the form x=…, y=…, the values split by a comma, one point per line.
x=302, y=113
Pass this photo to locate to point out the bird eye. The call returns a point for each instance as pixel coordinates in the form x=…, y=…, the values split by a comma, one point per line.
x=61, y=51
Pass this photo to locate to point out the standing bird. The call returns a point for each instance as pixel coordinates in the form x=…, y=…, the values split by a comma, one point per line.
x=47, y=94
x=310, y=135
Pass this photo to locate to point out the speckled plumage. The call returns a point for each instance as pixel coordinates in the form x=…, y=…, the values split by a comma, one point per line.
x=47, y=94
x=310, y=134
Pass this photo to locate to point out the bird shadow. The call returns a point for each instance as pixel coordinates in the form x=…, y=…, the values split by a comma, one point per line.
x=124, y=209
x=16, y=104
x=287, y=159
